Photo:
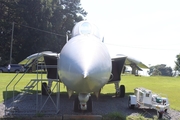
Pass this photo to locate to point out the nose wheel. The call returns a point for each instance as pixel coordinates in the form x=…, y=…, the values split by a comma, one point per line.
x=82, y=106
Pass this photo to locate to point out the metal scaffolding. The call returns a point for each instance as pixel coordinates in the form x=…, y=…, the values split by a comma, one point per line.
x=31, y=99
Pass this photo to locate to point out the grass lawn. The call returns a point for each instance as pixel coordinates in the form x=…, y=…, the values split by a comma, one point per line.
x=167, y=86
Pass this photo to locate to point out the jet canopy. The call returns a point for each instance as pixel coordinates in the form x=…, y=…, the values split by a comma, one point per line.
x=86, y=28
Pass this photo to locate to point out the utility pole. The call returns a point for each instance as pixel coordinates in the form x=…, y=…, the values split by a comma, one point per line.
x=67, y=34
x=11, y=42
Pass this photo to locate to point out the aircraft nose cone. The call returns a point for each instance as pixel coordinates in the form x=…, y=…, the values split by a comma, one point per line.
x=84, y=64
x=85, y=75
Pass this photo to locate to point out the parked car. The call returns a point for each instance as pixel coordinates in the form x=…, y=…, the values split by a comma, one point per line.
x=14, y=68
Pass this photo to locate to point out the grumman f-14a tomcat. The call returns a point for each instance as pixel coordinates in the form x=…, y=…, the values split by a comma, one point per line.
x=85, y=65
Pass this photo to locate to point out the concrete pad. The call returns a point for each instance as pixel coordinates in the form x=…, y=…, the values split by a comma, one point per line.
x=82, y=117
x=42, y=118
x=47, y=118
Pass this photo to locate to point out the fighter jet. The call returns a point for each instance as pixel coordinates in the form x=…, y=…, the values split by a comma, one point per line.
x=85, y=65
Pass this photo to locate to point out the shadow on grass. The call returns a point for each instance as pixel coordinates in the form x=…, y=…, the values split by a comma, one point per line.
x=9, y=94
x=112, y=94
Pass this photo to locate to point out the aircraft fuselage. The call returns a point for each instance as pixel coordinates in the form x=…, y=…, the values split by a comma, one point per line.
x=84, y=64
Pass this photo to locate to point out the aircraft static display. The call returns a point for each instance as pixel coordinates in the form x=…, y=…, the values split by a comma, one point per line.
x=85, y=65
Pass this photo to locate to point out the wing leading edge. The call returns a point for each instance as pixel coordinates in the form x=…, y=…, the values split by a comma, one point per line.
x=118, y=63
x=48, y=58
x=38, y=56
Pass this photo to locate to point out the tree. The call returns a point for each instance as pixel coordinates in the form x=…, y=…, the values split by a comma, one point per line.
x=7, y=14
x=160, y=70
x=39, y=25
x=177, y=63
x=156, y=72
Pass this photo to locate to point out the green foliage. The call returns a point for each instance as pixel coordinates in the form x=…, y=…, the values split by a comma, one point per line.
x=39, y=114
x=139, y=117
x=40, y=25
x=160, y=70
x=114, y=116
x=156, y=72
x=119, y=116
x=177, y=63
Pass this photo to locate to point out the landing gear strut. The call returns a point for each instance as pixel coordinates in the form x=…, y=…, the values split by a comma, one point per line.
x=120, y=91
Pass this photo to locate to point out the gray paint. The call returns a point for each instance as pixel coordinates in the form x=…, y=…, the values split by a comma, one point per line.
x=84, y=64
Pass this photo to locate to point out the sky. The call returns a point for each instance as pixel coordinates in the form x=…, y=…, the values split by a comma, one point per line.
x=148, y=30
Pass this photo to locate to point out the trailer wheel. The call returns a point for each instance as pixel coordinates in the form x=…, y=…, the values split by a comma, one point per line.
x=160, y=114
x=129, y=103
x=122, y=91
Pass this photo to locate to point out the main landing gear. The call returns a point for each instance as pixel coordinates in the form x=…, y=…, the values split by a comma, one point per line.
x=120, y=90
x=83, y=102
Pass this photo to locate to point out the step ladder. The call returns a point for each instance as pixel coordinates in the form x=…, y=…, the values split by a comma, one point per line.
x=31, y=84
x=27, y=88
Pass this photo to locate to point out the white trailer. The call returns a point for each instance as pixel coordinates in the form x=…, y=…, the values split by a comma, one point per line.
x=144, y=98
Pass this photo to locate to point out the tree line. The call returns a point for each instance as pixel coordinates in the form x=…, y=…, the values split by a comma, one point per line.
x=163, y=70
x=160, y=70
x=41, y=25
x=35, y=26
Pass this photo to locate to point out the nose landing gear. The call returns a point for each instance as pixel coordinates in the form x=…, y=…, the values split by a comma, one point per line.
x=83, y=103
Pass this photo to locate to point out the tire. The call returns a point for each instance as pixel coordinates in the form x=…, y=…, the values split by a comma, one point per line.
x=122, y=91
x=129, y=103
x=16, y=71
x=76, y=105
x=1, y=71
x=44, y=88
x=89, y=105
